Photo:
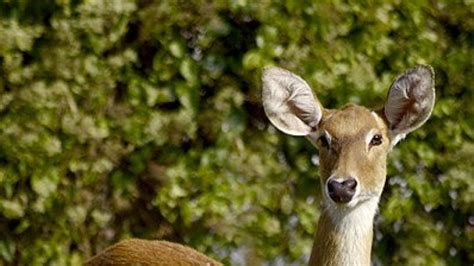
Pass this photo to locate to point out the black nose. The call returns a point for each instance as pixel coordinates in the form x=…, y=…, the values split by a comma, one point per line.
x=342, y=192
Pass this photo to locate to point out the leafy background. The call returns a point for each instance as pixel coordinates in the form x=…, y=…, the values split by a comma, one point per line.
x=143, y=119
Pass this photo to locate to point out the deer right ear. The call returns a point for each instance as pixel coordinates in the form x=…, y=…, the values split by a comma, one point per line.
x=289, y=102
x=410, y=101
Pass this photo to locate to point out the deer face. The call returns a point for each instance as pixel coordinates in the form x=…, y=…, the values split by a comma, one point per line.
x=353, y=142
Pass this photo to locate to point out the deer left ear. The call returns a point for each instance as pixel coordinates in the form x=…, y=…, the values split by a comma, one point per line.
x=289, y=103
x=410, y=101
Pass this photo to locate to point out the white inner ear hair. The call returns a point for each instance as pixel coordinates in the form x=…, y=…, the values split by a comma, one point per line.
x=395, y=138
x=315, y=135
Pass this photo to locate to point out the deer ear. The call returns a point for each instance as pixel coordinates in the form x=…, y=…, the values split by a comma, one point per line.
x=289, y=102
x=410, y=101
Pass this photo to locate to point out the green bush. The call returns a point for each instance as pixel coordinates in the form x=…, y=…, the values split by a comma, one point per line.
x=144, y=119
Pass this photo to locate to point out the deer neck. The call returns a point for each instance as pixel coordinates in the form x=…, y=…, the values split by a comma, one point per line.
x=344, y=236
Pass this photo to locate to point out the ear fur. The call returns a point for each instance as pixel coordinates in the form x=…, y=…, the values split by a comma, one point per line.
x=410, y=101
x=289, y=102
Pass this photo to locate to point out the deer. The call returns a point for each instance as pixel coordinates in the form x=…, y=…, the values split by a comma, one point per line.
x=353, y=144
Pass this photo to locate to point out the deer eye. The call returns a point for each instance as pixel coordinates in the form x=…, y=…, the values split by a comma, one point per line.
x=323, y=141
x=376, y=140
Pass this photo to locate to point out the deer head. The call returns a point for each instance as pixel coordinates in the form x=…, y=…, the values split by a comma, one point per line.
x=353, y=144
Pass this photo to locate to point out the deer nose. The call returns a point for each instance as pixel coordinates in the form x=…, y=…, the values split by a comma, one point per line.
x=342, y=192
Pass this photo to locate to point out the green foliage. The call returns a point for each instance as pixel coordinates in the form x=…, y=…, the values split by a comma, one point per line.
x=144, y=118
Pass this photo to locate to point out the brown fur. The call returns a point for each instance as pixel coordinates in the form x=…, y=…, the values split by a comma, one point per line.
x=150, y=252
x=349, y=154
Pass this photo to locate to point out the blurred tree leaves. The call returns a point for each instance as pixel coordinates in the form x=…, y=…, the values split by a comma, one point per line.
x=143, y=118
